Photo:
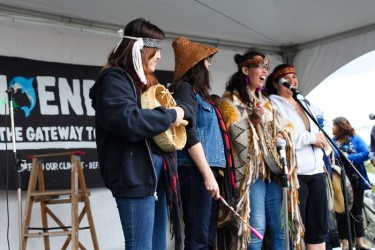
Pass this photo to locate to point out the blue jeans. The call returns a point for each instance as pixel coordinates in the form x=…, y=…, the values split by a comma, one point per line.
x=266, y=199
x=199, y=209
x=144, y=220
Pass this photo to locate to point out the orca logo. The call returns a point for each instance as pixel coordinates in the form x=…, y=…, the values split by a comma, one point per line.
x=26, y=86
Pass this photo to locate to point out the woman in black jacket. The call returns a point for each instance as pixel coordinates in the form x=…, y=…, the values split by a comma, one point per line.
x=130, y=162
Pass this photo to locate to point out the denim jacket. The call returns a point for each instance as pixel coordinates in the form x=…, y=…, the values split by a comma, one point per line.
x=209, y=135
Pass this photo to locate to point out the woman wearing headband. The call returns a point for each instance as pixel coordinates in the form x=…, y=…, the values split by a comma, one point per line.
x=205, y=152
x=131, y=163
x=357, y=152
x=253, y=126
x=309, y=142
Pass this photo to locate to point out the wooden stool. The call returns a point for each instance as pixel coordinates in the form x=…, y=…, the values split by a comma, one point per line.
x=45, y=198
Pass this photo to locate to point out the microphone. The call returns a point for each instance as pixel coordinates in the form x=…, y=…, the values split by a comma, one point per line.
x=285, y=83
x=372, y=116
x=11, y=90
x=281, y=144
x=296, y=93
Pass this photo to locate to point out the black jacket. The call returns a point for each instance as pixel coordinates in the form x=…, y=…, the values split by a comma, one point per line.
x=123, y=134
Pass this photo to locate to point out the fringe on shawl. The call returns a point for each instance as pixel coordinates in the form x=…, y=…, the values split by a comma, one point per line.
x=252, y=166
x=173, y=198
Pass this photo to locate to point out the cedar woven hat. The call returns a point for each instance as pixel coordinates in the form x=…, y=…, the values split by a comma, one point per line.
x=187, y=54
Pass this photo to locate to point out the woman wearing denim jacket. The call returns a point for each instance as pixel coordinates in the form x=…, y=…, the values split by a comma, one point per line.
x=204, y=154
x=355, y=149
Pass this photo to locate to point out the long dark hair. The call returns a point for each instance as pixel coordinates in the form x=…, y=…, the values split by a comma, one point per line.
x=238, y=80
x=344, y=129
x=199, y=79
x=122, y=56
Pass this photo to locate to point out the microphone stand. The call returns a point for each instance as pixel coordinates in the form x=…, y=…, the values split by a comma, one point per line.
x=17, y=166
x=285, y=185
x=298, y=97
x=281, y=144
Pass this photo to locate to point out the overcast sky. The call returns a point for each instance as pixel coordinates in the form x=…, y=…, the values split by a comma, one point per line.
x=350, y=92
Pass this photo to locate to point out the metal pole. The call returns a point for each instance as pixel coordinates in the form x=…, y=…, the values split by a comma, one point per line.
x=285, y=184
x=17, y=166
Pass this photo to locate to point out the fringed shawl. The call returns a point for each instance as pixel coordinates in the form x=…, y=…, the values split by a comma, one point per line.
x=173, y=197
x=246, y=140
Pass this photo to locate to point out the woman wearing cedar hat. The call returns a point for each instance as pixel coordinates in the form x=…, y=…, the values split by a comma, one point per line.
x=205, y=152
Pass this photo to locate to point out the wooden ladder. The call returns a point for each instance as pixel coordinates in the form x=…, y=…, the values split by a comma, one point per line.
x=77, y=193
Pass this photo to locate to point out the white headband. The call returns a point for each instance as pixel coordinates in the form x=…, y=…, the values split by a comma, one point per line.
x=137, y=49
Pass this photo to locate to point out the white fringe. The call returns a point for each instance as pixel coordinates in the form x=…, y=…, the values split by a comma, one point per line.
x=136, y=53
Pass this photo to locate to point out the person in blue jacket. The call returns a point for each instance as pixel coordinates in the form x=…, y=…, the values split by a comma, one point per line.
x=355, y=149
x=372, y=146
x=141, y=176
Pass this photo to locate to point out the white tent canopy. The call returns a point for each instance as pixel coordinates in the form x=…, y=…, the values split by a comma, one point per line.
x=317, y=37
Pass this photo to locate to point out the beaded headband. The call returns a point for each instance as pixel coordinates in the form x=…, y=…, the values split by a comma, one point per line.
x=147, y=42
x=257, y=61
x=283, y=72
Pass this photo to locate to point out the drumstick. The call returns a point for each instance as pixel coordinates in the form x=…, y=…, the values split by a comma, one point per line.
x=184, y=123
x=253, y=230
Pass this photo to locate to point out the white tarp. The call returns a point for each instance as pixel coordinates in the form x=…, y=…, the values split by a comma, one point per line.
x=317, y=63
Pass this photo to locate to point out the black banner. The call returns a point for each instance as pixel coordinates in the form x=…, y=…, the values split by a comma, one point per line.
x=53, y=114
